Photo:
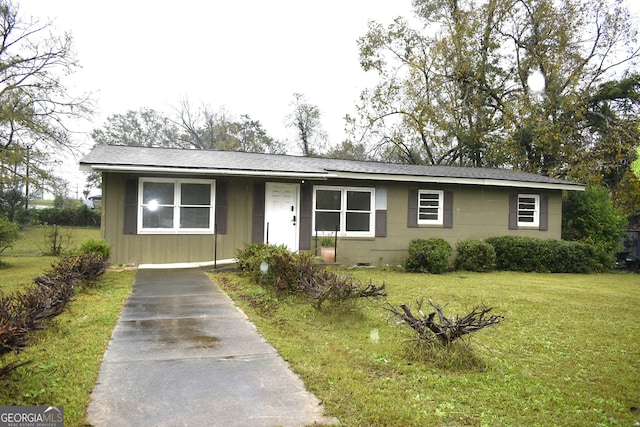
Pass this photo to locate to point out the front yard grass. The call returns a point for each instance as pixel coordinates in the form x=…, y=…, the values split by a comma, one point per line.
x=567, y=355
x=64, y=359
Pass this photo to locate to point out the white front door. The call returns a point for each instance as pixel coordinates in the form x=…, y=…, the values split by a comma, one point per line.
x=281, y=214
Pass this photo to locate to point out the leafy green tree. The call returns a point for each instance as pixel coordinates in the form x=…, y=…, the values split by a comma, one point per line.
x=9, y=233
x=458, y=92
x=590, y=217
x=143, y=128
x=11, y=203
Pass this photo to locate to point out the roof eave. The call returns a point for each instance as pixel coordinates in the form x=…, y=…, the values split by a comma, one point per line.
x=464, y=181
x=202, y=171
x=336, y=174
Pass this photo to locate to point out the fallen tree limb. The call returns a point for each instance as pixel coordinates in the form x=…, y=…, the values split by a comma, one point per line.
x=442, y=329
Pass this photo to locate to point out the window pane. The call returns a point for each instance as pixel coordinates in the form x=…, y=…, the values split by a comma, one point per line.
x=429, y=199
x=158, y=217
x=526, y=217
x=357, y=221
x=160, y=192
x=428, y=214
x=358, y=201
x=195, y=194
x=327, y=221
x=194, y=217
x=328, y=200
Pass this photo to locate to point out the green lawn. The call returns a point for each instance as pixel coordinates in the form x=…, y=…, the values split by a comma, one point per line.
x=64, y=359
x=567, y=355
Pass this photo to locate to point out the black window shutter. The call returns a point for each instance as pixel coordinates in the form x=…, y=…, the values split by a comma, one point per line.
x=544, y=212
x=513, y=211
x=448, y=210
x=306, y=211
x=130, y=206
x=381, y=223
x=412, y=212
x=257, y=223
x=222, y=190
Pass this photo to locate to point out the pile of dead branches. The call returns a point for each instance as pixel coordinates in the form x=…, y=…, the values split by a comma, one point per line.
x=49, y=295
x=435, y=327
x=323, y=285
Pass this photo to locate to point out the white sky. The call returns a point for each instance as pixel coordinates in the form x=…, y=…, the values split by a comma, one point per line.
x=246, y=56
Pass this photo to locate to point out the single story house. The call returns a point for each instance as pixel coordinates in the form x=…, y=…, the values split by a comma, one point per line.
x=171, y=205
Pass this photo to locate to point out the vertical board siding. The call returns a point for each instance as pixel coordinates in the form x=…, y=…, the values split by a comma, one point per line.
x=222, y=206
x=257, y=224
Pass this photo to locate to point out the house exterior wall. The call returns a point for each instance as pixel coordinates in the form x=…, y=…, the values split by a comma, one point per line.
x=172, y=248
x=478, y=212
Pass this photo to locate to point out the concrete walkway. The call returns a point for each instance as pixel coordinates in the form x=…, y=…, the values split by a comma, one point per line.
x=182, y=354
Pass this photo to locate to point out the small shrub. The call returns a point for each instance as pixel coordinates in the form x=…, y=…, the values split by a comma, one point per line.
x=517, y=253
x=573, y=257
x=428, y=255
x=474, y=255
x=55, y=239
x=282, y=267
x=527, y=254
x=9, y=233
x=300, y=273
x=97, y=247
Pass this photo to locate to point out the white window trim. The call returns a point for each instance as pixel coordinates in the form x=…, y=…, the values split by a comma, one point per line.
x=343, y=211
x=536, y=211
x=176, y=206
x=440, y=219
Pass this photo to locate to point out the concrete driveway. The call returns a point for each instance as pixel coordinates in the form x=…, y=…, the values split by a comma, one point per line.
x=182, y=354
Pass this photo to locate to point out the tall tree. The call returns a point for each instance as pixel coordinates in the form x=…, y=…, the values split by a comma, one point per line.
x=144, y=128
x=304, y=119
x=34, y=102
x=204, y=128
x=458, y=91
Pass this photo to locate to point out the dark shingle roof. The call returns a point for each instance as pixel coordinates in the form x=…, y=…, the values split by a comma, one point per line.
x=126, y=158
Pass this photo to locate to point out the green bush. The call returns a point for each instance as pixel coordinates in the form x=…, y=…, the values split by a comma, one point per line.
x=590, y=217
x=474, y=255
x=428, y=255
x=528, y=254
x=80, y=216
x=574, y=257
x=274, y=266
x=9, y=233
x=516, y=253
x=96, y=247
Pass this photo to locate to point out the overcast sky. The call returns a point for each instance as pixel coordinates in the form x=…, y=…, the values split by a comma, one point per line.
x=248, y=56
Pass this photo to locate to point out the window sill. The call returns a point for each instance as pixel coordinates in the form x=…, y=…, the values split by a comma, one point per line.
x=174, y=232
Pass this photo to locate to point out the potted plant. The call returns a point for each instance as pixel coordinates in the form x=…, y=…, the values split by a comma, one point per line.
x=328, y=248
